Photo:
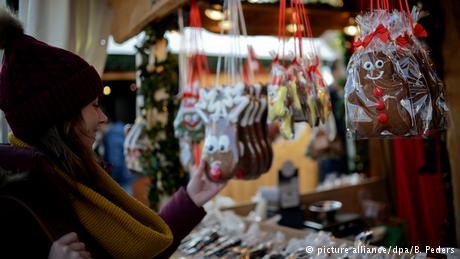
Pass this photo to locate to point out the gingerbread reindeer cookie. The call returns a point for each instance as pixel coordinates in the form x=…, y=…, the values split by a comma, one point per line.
x=248, y=161
x=220, y=109
x=379, y=103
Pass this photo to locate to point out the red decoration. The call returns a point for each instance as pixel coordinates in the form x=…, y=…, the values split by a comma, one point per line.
x=383, y=118
x=378, y=92
x=380, y=105
x=380, y=32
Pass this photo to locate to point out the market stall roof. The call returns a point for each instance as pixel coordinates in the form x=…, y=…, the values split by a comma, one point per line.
x=216, y=44
x=131, y=16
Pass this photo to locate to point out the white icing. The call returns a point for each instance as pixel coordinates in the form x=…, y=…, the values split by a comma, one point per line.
x=221, y=102
x=263, y=106
x=247, y=112
x=375, y=78
x=368, y=66
x=211, y=144
x=379, y=63
x=253, y=113
x=241, y=149
x=224, y=143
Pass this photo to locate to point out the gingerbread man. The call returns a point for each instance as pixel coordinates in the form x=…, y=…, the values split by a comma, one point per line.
x=379, y=103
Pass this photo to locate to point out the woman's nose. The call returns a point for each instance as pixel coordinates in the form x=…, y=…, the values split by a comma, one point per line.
x=103, y=118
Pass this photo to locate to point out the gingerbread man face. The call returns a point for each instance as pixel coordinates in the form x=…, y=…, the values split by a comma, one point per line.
x=375, y=68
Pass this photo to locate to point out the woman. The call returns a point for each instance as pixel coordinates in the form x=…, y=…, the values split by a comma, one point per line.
x=56, y=200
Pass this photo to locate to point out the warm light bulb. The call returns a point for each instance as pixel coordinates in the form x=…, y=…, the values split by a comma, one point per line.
x=350, y=30
x=107, y=90
x=292, y=28
x=214, y=14
x=225, y=25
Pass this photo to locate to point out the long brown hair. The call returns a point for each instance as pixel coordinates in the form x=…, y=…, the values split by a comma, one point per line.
x=64, y=146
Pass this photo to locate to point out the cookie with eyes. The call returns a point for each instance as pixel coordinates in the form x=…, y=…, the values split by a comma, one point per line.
x=379, y=104
x=220, y=151
x=188, y=124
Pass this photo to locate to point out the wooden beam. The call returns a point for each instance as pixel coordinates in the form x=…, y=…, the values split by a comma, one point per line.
x=130, y=17
x=262, y=19
x=452, y=79
x=119, y=76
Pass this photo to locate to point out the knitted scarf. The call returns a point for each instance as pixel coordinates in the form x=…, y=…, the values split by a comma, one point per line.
x=121, y=224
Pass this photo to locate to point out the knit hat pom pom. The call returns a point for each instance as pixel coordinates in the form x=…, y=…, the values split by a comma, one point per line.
x=10, y=27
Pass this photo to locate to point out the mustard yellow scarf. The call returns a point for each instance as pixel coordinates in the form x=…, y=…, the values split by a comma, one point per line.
x=122, y=225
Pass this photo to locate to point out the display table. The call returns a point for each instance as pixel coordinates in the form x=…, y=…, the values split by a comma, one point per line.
x=268, y=240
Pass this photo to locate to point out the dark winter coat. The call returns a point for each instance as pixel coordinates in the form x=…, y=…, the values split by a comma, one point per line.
x=34, y=213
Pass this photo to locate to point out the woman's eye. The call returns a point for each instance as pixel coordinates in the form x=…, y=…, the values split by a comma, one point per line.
x=379, y=63
x=224, y=143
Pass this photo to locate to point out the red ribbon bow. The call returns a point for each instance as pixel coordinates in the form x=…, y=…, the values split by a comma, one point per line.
x=419, y=31
x=380, y=32
x=190, y=95
x=403, y=40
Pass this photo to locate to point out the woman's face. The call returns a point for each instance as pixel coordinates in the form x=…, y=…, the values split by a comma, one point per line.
x=92, y=118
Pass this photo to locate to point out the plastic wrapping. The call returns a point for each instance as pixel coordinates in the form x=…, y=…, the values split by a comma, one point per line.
x=296, y=82
x=392, y=88
x=278, y=103
x=377, y=97
x=136, y=142
x=435, y=84
x=188, y=127
x=412, y=73
x=220, y=109
x=319, y=103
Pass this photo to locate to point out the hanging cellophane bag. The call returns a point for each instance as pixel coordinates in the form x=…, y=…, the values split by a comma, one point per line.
x=318, y=104
x=377, y=95
x=400, y=27
x=279, y=106
x=194, y=73
x=221, y=108
x=136, y=142
x=436, y=87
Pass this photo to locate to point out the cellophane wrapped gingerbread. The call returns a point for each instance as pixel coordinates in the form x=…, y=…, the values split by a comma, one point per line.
x=435, y=85
x=412, y=72
x=377, y=96
x=188, y=125
x=278, y=101
x=220, y=108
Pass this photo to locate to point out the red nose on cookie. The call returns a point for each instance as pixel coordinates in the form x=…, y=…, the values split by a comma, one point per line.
x=216, y=173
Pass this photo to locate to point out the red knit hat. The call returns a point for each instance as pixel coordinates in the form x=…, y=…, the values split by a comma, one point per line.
x=40, y=85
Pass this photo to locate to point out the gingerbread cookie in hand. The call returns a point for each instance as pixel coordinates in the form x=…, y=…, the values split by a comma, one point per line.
x=220, y=109
x=379, y=103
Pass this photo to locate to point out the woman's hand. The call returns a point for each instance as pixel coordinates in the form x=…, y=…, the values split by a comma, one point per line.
x=68, y=246
x=199, y=188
